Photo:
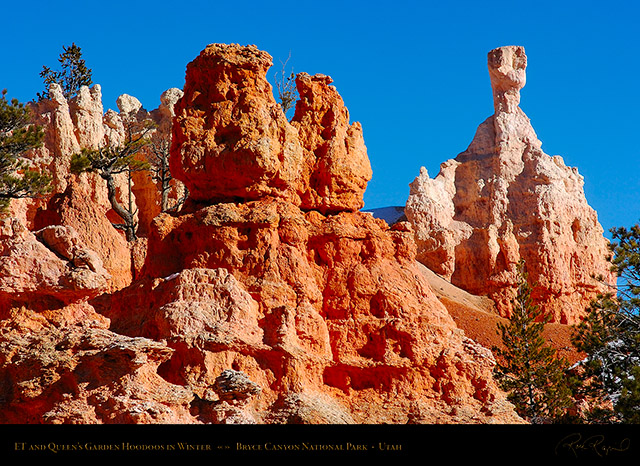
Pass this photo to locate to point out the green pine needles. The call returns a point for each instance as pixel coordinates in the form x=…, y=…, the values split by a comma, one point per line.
x=17, y=136
x=528, y=369
x=73, y=73
x=109, y=162
x=610, y=336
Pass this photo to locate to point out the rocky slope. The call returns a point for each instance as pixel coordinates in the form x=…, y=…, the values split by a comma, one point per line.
x=503, y=200
x=268, y=298
x=478, y=317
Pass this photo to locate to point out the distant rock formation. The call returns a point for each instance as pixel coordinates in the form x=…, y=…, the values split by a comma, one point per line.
x=59, y=360
x=504, y=199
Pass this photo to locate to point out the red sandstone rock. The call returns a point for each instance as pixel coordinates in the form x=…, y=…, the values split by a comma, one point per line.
x=306, y=305
x=57, y=269
x=280, y=304
x=65, y=366
x=231, y=139
x=81, y=201
x=80, y=208
x=503, y=200
x=147, y=185
x=336, y=167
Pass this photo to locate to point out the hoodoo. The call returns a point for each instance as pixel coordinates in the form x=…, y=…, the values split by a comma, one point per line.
x=267, y=298
x=503, y=200
x=272, y=271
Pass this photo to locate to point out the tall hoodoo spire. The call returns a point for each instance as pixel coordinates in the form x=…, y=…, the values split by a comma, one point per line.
x=502, y=200
x=507, y=67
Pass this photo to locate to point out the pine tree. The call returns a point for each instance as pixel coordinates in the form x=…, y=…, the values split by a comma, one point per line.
x=17, y=136
x=111, y=161
x=528, y=369
x=610, y=336
x=73, y=74
x=628, y=405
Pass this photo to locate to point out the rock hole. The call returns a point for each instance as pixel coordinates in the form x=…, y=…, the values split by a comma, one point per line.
x=576, y=229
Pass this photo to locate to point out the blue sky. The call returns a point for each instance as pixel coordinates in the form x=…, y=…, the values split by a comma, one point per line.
x=412, y=72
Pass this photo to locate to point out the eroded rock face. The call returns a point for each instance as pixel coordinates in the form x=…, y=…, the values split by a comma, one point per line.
x=59, y=361
x=268, y=299
x=309, y=307
x=336, y=168
x=507, y=69
x=46, y=268
x=503, y=200
x=82, y=207
x=80, y=201
x=232, y=140
x=87, y=115
x=65, y=366
x=320, y=306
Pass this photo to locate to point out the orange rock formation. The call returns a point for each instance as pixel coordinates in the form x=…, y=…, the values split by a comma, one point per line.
x=320, y=305
x=231, y=141
x=268, y=298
